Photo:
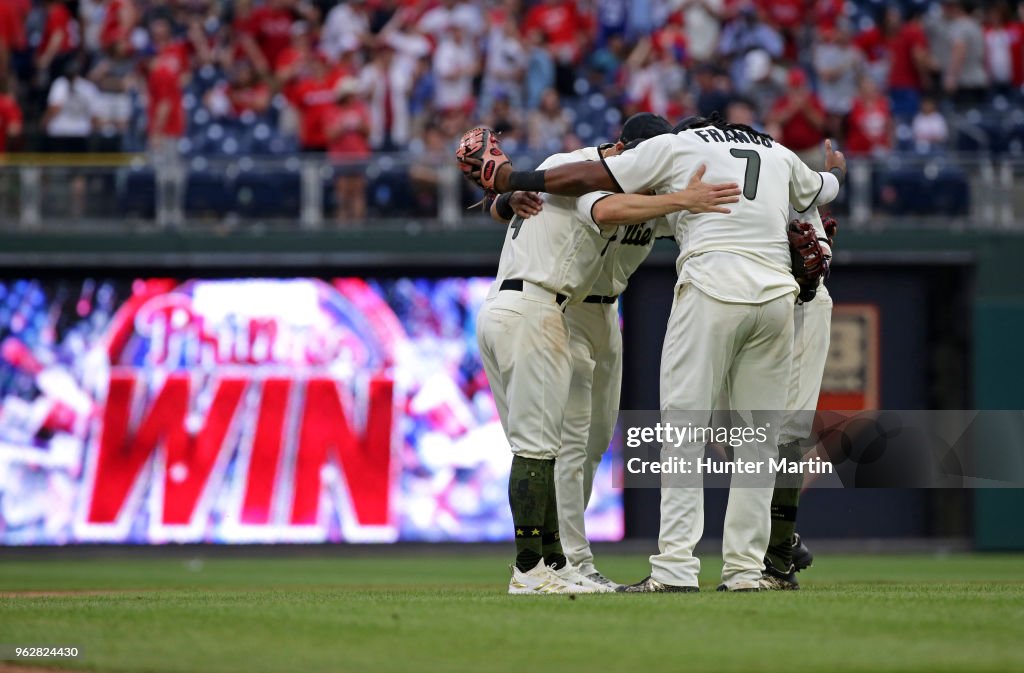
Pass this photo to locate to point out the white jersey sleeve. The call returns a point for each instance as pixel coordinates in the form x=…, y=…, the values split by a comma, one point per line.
x=649, y=165
x=585, y=207
x=807, y=187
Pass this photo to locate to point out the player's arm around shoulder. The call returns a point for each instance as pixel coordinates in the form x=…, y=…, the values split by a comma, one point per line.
x=616, y=210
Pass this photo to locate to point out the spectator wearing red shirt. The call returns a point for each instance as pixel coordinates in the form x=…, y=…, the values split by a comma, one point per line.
x=164, y=45
x=786, y=16
x=347, y=127
x=57, y=45
x=118, y=23
x=909, y=62
x=1004, y=55
x=10, y=115
x=564, y=31
x=12, y=32
x=269, y=28
x=312, y=96
x=166, y=109
x=798, y=119
x=869, y=126
x=294, y=62
x=245, y=93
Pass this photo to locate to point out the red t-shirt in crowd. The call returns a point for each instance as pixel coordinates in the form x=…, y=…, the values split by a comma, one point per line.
x=250, y=98
x=902, y=71
x=175, y=55
x=798, y=133
x=118, y=22
x=58, y=20
x=10, y=115
x=165, y=87
x=872, y=44
x=347, y=128
x=313, y=98
x=271, y=27
x=12, y=26
x=784, y=13
x=559, y=24
x=868, y=128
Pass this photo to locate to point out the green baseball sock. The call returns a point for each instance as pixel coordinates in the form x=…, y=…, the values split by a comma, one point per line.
x=784, y=509
x=528, y=486
x=553, y=554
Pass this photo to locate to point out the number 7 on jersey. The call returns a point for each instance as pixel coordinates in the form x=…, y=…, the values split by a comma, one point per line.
x=753, y=172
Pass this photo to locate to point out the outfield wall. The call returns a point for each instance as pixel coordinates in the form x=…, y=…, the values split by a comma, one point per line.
x=948, y=311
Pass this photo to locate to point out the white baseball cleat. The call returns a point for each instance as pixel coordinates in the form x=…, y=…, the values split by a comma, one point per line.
x=578, y=583
x=539, y=580
x=597, y=577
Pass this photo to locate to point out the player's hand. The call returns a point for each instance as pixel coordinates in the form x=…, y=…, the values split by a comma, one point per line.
x=500, y=179
x=526, y=204
x=834, y=159
x=704, y=197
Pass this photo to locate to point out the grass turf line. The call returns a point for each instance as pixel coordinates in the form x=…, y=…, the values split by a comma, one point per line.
x=860, y=613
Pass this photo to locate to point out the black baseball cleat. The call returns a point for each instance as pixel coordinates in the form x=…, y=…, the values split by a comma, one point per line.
x=773, y=579
x=802, y=557
x=649, y=585
x=738, y=590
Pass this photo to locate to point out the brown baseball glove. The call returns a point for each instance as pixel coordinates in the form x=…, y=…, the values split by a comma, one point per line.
x=809, y=262
x=482, y=146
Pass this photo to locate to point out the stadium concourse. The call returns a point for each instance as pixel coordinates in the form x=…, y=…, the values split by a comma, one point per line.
x=358, y=80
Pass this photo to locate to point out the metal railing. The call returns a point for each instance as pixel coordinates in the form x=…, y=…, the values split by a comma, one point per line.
x=46, y=192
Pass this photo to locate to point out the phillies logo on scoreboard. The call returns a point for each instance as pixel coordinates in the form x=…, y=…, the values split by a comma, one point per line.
x=245, y=410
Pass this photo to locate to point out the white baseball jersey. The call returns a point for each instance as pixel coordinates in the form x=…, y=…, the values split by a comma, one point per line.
x=743, y=256
x=560, y=248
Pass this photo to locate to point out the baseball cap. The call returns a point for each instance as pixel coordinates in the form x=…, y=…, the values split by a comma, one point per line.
x=641, y=126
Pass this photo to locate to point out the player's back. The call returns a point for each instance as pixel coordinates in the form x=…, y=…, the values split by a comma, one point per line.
x=742, y=256
x=557, y=248
x=756, y=225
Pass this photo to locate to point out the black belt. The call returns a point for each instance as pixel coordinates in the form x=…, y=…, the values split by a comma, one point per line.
x=598, y=299
x=516, y=284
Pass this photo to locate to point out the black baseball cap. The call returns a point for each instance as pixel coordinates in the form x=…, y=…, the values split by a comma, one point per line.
x=641, y=126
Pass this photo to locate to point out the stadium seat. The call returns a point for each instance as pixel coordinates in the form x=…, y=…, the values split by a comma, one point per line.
x=263, y=193
x=136, y=192
x=208, y=192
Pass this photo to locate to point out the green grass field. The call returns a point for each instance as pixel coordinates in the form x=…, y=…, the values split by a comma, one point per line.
x=431, y=615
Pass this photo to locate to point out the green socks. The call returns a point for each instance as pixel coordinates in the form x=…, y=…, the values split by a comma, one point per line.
x=784, y=509
x=531, y=493
x=553, y=554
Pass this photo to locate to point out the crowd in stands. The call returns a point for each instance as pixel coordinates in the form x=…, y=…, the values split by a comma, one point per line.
x=358, y=77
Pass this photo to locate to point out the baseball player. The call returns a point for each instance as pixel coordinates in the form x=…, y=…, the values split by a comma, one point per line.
x=547, y=263
x=732, y=317
x=812, y=324
x=595, y=341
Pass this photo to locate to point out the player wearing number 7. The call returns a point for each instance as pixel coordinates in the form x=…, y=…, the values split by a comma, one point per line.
x=546, y=263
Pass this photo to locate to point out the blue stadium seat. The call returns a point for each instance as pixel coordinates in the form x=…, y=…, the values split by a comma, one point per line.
x=268, y=193
x=136, y=192
x=208, y=192
x=917, y=191
x=950, y=192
